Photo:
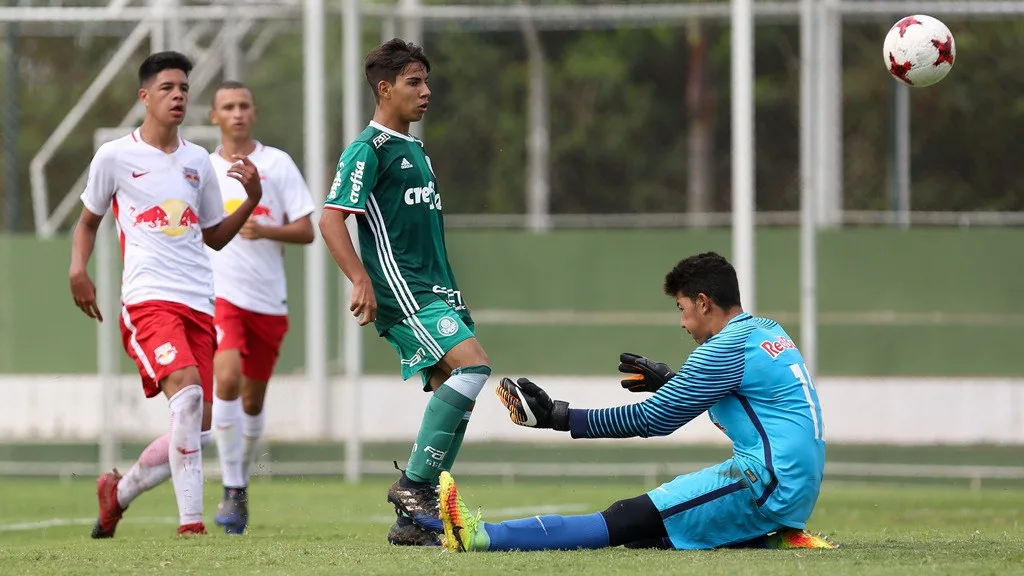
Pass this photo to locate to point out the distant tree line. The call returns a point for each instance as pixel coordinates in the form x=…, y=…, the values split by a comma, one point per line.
x=639, y=118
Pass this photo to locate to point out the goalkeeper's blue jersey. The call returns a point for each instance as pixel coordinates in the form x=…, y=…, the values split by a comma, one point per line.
x=752, y=381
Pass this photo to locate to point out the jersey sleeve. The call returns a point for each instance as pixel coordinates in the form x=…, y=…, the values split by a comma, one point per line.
x=354, y=179
x=298, y=201
x=101, y=185
x=211, y=204
x=710, y=373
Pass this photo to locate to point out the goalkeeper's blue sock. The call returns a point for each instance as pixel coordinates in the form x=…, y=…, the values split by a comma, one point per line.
x=550, y=532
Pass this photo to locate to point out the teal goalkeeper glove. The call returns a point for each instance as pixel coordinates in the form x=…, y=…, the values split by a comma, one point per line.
x=643, y=375
x=529, y=405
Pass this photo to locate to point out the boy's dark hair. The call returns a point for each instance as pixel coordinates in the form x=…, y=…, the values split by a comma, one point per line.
x=387, y=61
x=708, y=273
x=160, y=61
x=229, y=85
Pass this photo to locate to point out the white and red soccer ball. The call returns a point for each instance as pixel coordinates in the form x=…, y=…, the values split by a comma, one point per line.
x=919, y=50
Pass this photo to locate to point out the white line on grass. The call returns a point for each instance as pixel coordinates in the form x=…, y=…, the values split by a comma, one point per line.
x=513, y=511
x=54, y=522
x=380, y=519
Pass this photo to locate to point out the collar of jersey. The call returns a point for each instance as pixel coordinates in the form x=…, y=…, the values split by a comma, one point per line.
x=259, y=146
x=384, y=128
x=740, y=317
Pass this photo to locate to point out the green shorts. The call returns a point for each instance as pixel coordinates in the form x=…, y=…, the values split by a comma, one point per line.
x=424, y=338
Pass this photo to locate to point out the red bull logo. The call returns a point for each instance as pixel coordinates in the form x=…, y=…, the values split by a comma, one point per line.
x=261, y=211
x=152, y=217
x=191, y=176
x=173, y=217
x=188, y=219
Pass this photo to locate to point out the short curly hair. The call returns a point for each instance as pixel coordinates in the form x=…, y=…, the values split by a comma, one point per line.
x=707, y=273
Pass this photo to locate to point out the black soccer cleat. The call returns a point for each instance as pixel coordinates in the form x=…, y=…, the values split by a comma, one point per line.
x=405, y=532
x=418, y=503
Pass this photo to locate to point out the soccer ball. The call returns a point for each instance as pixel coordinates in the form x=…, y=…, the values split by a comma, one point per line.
x=919, y=50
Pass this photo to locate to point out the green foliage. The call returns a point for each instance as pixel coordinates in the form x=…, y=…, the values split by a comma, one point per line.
x=619, y=118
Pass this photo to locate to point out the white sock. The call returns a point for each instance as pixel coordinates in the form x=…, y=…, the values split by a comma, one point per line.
x=185, y=453
x=227, y=425
x=150, y=470
x=252, y=431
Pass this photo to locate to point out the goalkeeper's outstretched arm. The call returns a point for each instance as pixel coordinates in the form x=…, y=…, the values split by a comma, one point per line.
x=711, y=372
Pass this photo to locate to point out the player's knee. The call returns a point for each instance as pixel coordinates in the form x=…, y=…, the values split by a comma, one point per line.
x=633, y=519
x=253, y=393
x=469, y=380
x=252, y=404
x=229, y=381
x=180, y=379
x=469, y=352
x=479, y=355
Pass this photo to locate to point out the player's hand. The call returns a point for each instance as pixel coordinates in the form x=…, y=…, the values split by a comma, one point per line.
x=364, y=303
x=245, y=172
x=84, y=293
x=643, y=375
x=529, y=405
x=251, y=230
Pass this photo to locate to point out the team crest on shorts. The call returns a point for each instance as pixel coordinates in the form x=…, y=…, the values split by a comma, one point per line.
x=165, y=353
x=447, y=326
x=191, y=176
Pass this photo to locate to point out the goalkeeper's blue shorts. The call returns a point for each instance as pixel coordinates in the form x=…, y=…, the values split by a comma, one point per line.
x=710, y=509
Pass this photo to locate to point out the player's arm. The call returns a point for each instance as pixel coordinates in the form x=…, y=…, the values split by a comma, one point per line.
x=353, y=180
x=96, y=198
x=712, y=371
x=299, y=229
x=218, y=234
x=82, y=243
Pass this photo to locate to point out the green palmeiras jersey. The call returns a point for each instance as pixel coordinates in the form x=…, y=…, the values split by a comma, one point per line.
x=386, y=180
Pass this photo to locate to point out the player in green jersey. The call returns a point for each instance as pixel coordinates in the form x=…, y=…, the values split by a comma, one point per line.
x=404, y=283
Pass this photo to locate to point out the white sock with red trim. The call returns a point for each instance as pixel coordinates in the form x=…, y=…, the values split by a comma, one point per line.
x=185, y=453
x=150, y=470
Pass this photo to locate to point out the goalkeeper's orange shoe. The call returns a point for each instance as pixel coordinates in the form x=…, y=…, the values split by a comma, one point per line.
x=791, y=538
x=463, y=532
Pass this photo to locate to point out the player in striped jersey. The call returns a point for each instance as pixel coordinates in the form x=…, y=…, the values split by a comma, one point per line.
x=750, y=378
x=402, y=280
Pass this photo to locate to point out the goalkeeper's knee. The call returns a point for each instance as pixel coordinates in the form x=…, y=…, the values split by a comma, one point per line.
x=632, y=520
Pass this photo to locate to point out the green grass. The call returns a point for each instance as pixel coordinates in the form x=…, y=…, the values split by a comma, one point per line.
x=325, y=527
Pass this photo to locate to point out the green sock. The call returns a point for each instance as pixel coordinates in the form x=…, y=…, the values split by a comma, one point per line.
x=444, y=414
x=453, y=450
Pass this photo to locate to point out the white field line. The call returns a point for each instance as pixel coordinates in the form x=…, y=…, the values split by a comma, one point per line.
x=379, y=519
x=56, y=522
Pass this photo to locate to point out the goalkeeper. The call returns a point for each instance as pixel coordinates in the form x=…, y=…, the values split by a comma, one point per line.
x=750, y=378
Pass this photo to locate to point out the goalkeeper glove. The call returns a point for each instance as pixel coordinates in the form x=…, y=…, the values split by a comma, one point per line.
x=644, y=375
x=529, y=405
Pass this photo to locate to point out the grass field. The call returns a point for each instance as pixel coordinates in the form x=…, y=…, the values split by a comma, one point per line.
x=303, y=526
